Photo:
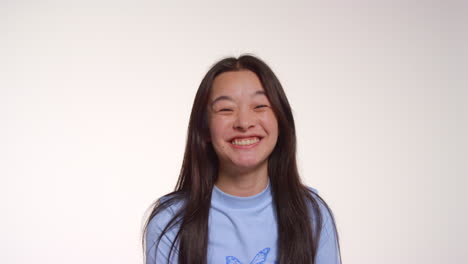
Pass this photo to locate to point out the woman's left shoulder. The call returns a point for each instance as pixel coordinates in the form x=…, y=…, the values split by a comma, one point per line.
x=320, y=201
x=313, y=190
x=315, y=194
x=328, y=250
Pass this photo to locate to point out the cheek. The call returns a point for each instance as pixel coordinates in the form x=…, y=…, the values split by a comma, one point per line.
x=271, y=124
x=218, y=129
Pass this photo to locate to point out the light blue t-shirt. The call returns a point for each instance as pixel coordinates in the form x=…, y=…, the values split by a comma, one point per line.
x=242, y=230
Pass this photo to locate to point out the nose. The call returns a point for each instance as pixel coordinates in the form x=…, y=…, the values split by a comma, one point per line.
x=244, y=120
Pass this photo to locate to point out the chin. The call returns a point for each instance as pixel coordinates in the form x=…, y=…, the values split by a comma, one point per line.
x=248, y=164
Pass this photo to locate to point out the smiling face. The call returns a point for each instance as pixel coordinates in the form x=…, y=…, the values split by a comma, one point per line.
x=243, y=126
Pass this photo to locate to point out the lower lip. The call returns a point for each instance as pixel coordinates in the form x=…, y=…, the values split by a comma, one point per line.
x=245, y=146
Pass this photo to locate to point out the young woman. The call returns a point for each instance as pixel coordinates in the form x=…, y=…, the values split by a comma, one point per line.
x=239, y=197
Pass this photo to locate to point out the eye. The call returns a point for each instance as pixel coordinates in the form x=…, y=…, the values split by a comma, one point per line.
x=225, y=110
x=260, y=106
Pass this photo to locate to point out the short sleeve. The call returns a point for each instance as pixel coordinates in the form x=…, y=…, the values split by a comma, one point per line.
x=158, y=253
x=328, y=250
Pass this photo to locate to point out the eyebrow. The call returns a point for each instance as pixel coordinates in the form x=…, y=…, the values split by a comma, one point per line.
x=228, y=98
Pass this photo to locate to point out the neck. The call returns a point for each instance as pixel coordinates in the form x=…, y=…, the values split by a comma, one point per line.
x=243, y=183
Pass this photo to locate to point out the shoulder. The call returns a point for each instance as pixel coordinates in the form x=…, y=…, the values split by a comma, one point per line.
x=314, y=194
x=315, y=191
x=328, y=250
x=324, y=209
x=162, y=228
x=162, y=218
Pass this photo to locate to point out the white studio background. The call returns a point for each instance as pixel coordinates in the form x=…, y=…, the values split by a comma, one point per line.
x=95, y=98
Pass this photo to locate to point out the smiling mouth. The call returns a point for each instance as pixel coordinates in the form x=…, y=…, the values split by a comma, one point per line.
x=245, y=141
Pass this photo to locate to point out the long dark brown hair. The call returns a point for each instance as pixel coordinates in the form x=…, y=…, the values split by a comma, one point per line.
x=298, y=212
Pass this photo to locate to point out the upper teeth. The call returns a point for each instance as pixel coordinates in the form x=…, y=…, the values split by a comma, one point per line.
x=247, y=141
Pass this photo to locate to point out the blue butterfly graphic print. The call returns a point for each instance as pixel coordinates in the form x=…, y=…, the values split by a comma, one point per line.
x=260, y=258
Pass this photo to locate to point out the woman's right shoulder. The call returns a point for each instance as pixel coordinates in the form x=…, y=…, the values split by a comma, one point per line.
x=162, y=228
x=164, y=212
x=170, y=203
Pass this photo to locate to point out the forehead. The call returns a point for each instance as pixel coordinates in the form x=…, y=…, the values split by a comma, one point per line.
x=236, y=83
